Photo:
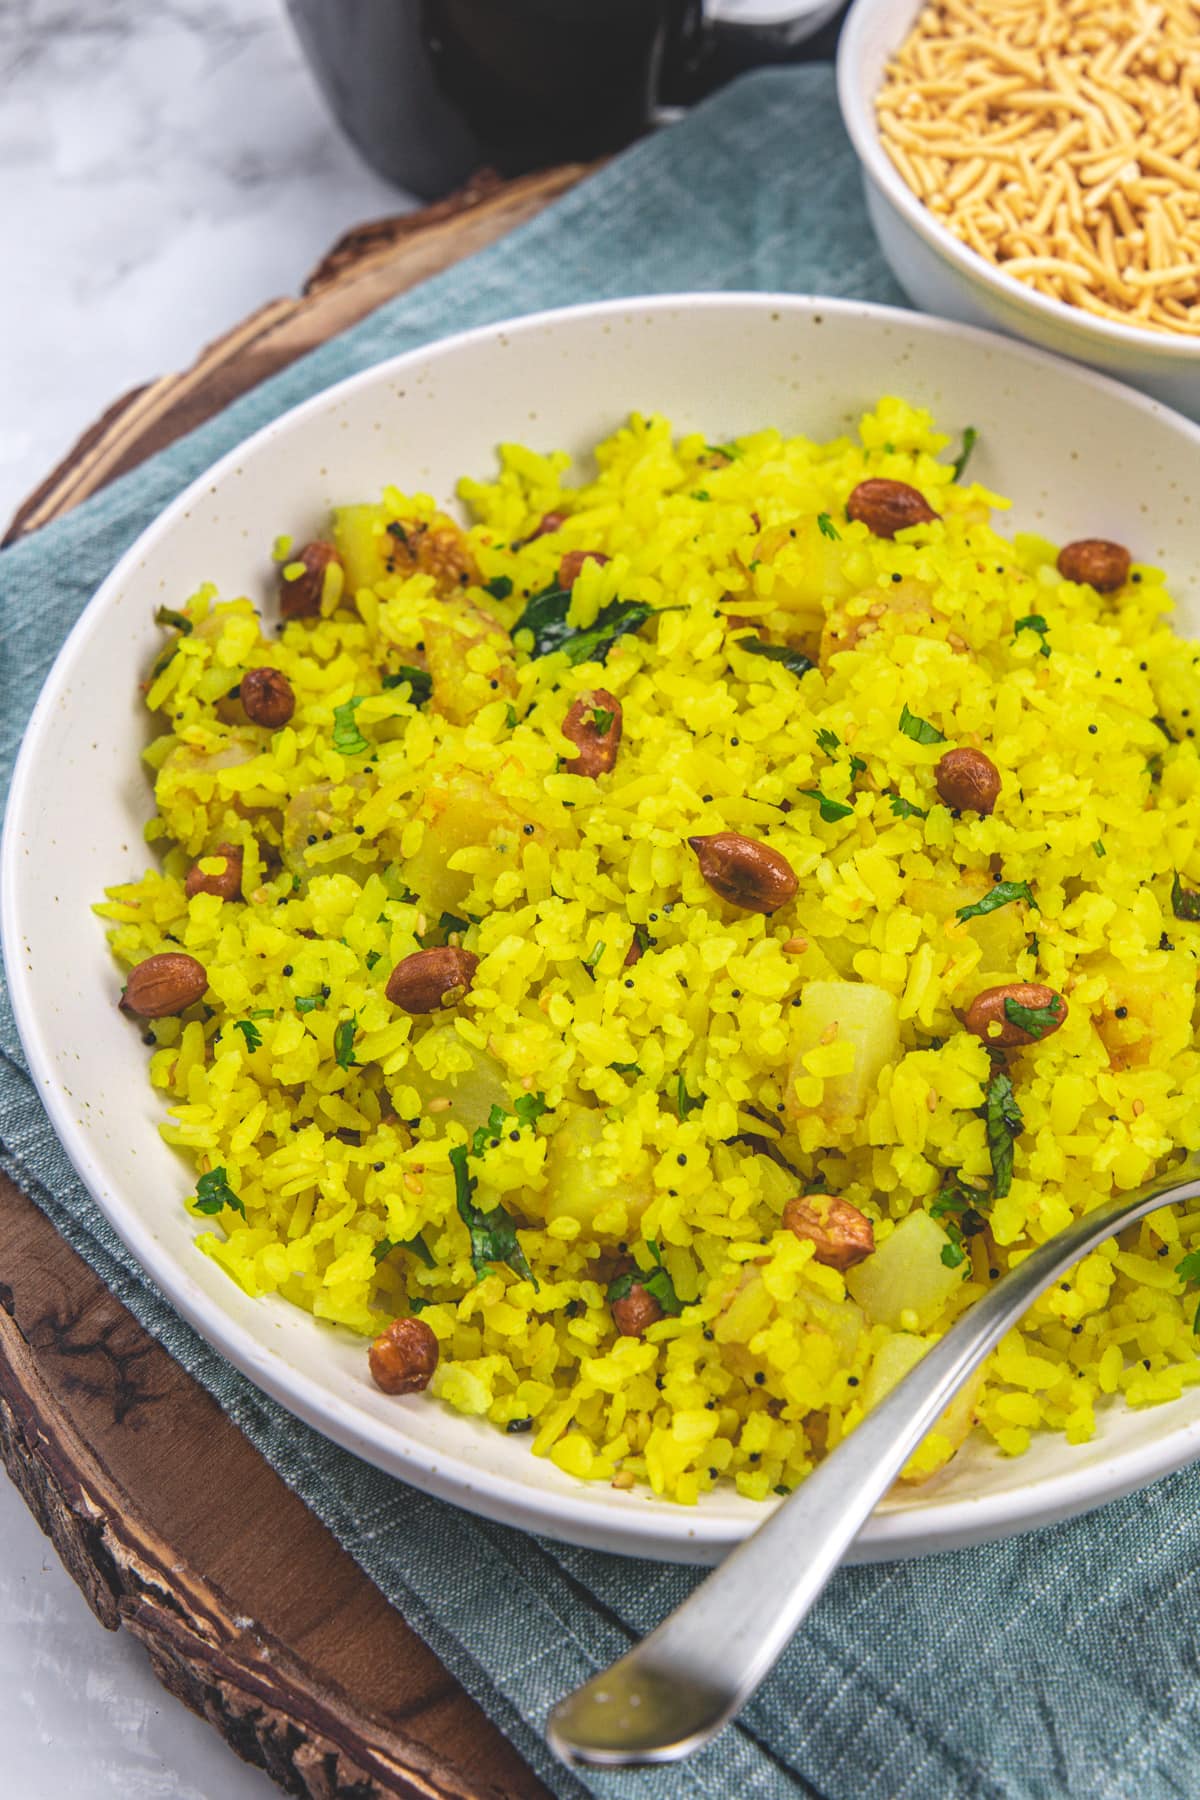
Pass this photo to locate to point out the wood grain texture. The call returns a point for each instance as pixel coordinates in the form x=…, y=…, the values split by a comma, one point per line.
x=171, y=1523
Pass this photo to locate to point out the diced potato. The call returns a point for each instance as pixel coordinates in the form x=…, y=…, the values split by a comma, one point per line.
x=311, y=812
x=463, y=683
x=906, y=1276
x=358, y=532
x=1001, y=935
x=591, y=1179
x=472, y=1093
x=839, y=1013
x=890, y=1364
x=900, y=606
x=1157, y=1003
x=459, y=814
x=807, y=567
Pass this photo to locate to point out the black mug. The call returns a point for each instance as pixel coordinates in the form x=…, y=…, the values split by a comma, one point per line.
x=431, y=90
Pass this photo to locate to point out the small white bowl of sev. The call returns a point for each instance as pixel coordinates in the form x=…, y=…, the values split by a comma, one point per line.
x=1034, y=165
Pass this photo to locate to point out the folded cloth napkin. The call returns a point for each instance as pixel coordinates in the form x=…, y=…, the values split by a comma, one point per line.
x=1062, y=1663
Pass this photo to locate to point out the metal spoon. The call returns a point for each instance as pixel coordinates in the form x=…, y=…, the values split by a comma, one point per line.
x=675, y=1690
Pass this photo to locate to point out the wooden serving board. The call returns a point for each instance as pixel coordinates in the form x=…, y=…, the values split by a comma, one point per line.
x=271, y=1632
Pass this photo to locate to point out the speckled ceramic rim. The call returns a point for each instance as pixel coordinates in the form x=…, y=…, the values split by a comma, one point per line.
x=652, y=1528
x=858, y=115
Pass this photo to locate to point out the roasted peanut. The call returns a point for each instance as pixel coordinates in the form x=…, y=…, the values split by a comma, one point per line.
x=988, y=1015
x=886, y=507
x=267, y=697
x=636, y=1311
x=438, y=548
x=744, y=871
x=968, y=781
x=840, y=1235
x=572, y=563
x=226, y=884
x=551, y=521
x=596, y=749
x=300, y=595
x=1096, y=563
x=428, y=979
x=164, y=984
x=403, y=1357
x=633, y=954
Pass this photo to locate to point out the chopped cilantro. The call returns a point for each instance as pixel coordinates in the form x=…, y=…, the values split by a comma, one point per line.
x=969, y=441
x=919, y=730
x=1185, y=902
x=602, y=720
x=827, y=528
x=347, y=738
x=527, y=1109
x=655, y=1281
x=451, y=922
x=510, y=716
x=395, y=529
x=857, y=766
x=1098, y=847
x=1036, y=1020
x=417, y=1245
x=546, y=617
x=795, y=660
x=1034, y=622
x=343, y=1042
x=827, y=740
x=250, y=1032
x=213, y=1192
x=530, y=1107
x=730, y=452
x=372, y=957
x=831, y=810
x=953, y=1253
x=492, y=1130
x=493, y=1232
x=701, y=494
x=685, y=1102
x=309, y=1003
x=420, y=681
x=1002, y=1122
x=626, y=1068
x=1002, y=894
x=904, y=809
x=594, y=954
x=499, y=587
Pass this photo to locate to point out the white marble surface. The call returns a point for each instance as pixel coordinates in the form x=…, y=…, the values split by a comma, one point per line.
x=165, y=167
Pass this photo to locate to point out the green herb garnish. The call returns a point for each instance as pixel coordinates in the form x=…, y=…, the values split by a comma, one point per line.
x=701, y=494
x=904, y=809
x=546, y=617
x=347, y=738
x=372, y=957
x=499, y=587
x=493, y=1233
x=343, y=1042
x=417, y=1245
x=1034, y=622
x=655, y=1281
x=602, y=720
x=626, y=1068
x=969, y=441
x=594, y=954
x=1098, y=847
x=176, y=621
x=250, y=1032
x=510, y=716
x=420, y=681
x=685, y=1102
x=827, y=528
x=1003, y=1122
x=827, y=740
x=451, y=922
x=831, y=810
x=1036, y=1020
x=1185, y=902
x=1003, y=894
x=213, y=1192
x=919, y=730
x=795, y=660
x=310, y=1003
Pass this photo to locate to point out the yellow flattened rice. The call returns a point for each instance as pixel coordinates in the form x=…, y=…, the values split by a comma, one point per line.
x=629, y=1078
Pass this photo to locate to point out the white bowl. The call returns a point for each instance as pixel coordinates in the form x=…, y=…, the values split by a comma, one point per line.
x=942, y=275
x=1079, y=455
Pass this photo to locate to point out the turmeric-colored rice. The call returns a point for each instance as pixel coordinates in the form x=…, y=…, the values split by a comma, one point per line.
x=658, y=1113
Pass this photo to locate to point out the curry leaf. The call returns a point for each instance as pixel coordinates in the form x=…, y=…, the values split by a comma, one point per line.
x=1036, y=1020
x=343, y=1042
x=1185, y=902
x=419, y=680
x=831, y=810
x=546, y=617
x=919, y=730
x=969, y=441
x=213, y=1192
x=1003, y=894
x=1003, y=1122
x=795, y=660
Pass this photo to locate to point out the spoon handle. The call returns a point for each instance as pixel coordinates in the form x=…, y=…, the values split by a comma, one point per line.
x=675, y=1690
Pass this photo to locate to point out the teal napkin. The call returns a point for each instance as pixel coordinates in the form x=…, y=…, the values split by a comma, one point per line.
x=1062, y=1663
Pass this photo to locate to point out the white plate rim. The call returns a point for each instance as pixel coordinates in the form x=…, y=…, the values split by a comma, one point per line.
x=658, y=1530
